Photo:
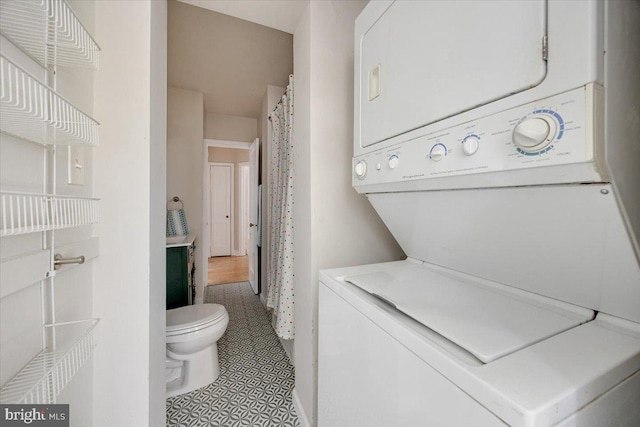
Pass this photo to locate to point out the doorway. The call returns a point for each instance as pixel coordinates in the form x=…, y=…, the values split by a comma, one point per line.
x=222, y=189
x=228, y=269
x=238, y=211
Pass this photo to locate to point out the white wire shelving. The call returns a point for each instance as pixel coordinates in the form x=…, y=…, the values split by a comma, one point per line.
x=51, y=34
x=44, y=377
x=22, y=213
x=32, y=111
x=49, y=31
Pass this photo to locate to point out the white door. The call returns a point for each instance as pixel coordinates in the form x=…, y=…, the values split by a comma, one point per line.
x=220, y=185
x=253, y=215
x=245, y=224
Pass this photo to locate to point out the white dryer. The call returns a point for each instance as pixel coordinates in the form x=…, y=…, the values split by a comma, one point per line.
x=497, y=141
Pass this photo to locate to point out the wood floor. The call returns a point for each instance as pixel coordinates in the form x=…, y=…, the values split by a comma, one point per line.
x=228, y=269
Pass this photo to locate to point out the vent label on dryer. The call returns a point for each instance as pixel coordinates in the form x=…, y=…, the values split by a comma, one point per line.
x=374, y=83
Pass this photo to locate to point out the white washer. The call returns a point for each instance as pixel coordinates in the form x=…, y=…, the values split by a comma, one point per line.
x=493, y=355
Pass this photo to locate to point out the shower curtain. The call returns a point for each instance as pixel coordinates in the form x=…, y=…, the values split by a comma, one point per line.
x=280, y=290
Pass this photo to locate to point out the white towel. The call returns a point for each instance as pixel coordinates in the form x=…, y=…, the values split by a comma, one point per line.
x=177, y=223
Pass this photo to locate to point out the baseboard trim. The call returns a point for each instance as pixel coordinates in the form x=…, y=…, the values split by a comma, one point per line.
x=237, y=253
x=302, y=416
x=263, y=300
x=287, y=345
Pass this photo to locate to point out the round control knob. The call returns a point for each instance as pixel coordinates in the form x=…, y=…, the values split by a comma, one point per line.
x=470, y=145
x=534, y=133
x=438, y=152
x=393, y=161
x=360, y=169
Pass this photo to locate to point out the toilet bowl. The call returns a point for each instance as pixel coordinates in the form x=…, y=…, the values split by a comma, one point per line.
x=192, y=350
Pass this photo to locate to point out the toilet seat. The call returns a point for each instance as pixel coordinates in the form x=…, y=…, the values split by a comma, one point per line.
x=192, y=318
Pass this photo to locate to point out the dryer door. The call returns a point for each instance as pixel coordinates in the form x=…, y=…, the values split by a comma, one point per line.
x=422, y=61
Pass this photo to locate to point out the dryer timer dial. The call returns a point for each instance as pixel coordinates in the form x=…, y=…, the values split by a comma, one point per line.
x=470, y=145
x=534, y=133
x=438, y=152
x=394, y=160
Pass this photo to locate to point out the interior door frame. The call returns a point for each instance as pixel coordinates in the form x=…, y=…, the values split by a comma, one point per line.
x=232, y=205
x=244, y=208
x=254, y=203
x=206, y=206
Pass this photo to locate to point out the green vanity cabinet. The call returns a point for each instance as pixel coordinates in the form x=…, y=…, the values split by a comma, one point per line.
x=180, y=274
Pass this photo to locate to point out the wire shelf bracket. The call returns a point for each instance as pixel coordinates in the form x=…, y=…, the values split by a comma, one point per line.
x=44, y=377
x=48, y=31
x=32, y=111
x=22, y=213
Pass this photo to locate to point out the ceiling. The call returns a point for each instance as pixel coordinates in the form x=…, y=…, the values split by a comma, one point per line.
x=282, y=15
x=229, y=60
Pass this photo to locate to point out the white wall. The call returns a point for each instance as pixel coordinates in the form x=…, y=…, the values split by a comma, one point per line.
x=129, y=274
x=334, y=226
x=622, y=109
x=157, y=216
x=185, y=127
x=306, y=294
x=230, y=128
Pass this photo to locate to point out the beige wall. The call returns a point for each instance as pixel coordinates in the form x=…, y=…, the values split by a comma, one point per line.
x=228, y=155
x=229, y=60
x=230, y=128
x=235, y=156
x=185, y=135
x=334, y=226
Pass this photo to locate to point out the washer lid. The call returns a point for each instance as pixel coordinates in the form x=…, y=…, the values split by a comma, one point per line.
x=487, y=319
x=192, y=316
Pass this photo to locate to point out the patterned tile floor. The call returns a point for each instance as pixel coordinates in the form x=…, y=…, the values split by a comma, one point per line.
x=256, y=378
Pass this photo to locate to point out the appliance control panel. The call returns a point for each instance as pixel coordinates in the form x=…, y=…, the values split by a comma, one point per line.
x=550, y=132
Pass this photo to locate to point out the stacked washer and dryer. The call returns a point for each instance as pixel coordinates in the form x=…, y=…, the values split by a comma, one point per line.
x=498, y=141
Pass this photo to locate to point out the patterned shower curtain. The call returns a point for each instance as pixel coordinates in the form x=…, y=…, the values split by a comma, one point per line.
x=280, y=290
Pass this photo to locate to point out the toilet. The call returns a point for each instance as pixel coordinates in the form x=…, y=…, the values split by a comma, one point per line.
x=192, y=350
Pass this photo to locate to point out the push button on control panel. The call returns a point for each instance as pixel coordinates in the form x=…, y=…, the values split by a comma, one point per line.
x=360, y=169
